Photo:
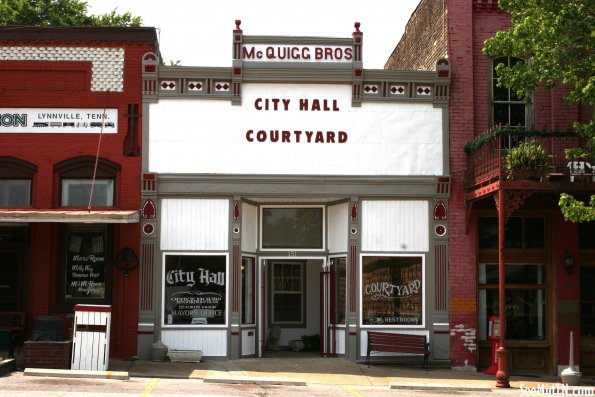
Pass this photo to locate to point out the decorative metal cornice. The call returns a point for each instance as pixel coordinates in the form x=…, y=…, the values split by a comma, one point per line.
x=161, y=81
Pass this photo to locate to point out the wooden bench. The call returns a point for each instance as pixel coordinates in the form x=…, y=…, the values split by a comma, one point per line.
x=397, y=343
x=12, y=326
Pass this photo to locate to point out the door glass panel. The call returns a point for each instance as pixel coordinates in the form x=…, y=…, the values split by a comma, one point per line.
x=341, y=287
x=248, y=291
x=287, y=293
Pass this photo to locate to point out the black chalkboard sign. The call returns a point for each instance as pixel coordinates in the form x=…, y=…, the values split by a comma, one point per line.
x=194, y=289
x=85, y=265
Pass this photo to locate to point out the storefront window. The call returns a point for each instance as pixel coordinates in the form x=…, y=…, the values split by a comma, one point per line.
x=86, y=270
x=525, y=300
x=248, y=293
x=292, y=228
x=392, y=290
x=519, y=233
x=194, y=289
x=288, y=292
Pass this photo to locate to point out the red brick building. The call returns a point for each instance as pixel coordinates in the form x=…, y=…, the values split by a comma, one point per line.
x=70, y=165
x=548, y=262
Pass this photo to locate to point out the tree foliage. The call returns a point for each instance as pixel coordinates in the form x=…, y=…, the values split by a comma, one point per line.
x=59, y=13
x=557, y=37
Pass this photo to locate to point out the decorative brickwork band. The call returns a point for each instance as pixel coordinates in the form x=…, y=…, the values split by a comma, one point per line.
x=107, y=64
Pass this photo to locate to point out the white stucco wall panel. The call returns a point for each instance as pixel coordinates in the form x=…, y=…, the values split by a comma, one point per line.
x=211, y=136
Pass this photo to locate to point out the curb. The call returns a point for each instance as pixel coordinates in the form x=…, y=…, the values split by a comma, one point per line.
x=74, y=373
x=260, y=380
x=438, y=386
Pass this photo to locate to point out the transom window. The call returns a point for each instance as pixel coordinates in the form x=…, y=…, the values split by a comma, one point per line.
x=519, y=232
x=507, y=107
x=292, y=227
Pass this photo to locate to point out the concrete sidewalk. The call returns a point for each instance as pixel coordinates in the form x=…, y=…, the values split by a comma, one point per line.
x=320, y=370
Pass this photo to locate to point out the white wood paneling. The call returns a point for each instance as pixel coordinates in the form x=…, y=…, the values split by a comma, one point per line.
x=90, y=345
x=337, y=228
x=249, y=227
x=340, y=341
x=194, y=224
x=399, y=225
x=248, y=342
x=213, y=343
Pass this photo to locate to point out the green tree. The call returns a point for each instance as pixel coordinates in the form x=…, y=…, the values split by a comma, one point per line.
x=558, y=39
x=59, y=13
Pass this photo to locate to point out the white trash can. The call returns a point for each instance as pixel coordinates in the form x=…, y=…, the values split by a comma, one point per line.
x=91, y=335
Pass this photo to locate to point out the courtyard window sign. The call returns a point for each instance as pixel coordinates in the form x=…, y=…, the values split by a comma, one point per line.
x=392, y=290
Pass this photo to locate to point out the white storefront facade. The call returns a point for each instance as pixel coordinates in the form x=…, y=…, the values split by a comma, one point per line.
x=293, y=194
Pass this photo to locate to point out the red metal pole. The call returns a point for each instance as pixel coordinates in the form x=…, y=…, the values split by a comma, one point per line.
x=502, y=353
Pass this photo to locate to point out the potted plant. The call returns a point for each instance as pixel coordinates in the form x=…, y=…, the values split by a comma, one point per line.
x=311, y=342
x=528, y=160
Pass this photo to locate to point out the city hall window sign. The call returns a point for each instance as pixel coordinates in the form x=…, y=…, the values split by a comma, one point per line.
x=194, y=289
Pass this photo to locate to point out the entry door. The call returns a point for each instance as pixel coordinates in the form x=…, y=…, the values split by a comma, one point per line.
x=263, y=308
x=587, y=354
x=11, y=283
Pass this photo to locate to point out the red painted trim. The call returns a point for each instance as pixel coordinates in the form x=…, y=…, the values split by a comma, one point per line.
x=92, y=308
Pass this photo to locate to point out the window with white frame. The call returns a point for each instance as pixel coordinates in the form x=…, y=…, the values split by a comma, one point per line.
x=287, y=292
x=76, y=192
x=16, y=177
x=77, y=187
x=15, y=192
x=507, y=108
x=392, y=290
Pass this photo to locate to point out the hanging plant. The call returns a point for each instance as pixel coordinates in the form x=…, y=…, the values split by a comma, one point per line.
x=528, y=160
